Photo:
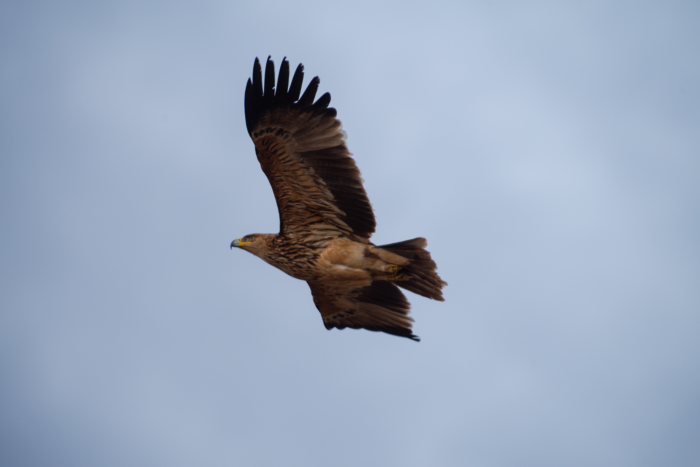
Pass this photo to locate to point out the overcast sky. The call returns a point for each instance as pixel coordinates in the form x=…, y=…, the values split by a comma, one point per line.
x=548, y=151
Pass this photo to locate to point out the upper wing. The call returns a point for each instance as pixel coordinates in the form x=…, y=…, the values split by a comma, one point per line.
x=379, y=306
x=301, y=149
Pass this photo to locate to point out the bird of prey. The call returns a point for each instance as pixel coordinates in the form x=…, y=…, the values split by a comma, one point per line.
x=326, y=219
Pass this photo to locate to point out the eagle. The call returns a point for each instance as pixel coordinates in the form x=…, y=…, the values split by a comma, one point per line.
x=326, y=219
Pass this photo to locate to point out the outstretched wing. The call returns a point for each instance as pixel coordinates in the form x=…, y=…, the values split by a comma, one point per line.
x=377, y=307
x=301, y=148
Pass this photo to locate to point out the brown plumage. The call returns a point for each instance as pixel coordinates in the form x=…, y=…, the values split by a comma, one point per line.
x=326, y=219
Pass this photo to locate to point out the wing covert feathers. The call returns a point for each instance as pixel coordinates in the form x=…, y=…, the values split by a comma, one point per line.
x=301, y=148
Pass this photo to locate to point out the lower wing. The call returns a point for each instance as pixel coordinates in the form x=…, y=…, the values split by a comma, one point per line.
x=379, y=306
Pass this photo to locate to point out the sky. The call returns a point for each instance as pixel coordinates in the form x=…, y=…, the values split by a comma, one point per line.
x=548, y=151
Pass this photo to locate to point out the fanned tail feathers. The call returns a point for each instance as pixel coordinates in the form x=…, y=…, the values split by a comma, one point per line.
x=421, y=273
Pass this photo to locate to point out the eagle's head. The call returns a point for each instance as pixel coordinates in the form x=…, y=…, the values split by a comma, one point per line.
x=253, y=243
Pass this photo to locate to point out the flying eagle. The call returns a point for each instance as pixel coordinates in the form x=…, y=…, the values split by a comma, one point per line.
x=326, y=219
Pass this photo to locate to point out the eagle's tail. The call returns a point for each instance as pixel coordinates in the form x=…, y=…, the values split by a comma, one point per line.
x=420, y=275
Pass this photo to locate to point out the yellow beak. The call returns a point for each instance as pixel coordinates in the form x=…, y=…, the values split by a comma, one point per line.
x=239, y=243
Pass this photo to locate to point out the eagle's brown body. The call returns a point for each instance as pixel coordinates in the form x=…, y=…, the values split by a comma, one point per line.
x=338, y=259
x=325, y=216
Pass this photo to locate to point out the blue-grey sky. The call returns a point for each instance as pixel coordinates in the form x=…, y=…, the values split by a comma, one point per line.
x=548, y=151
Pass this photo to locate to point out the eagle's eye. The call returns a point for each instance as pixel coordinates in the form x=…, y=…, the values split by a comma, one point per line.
x=250, y=238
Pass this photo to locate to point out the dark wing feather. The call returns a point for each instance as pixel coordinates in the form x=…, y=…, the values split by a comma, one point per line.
x=301, y=148
x=282, y=84
x=308, y=97
x=269, y=95
x=295, y=88
x=322, y=103
x=377, y=307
